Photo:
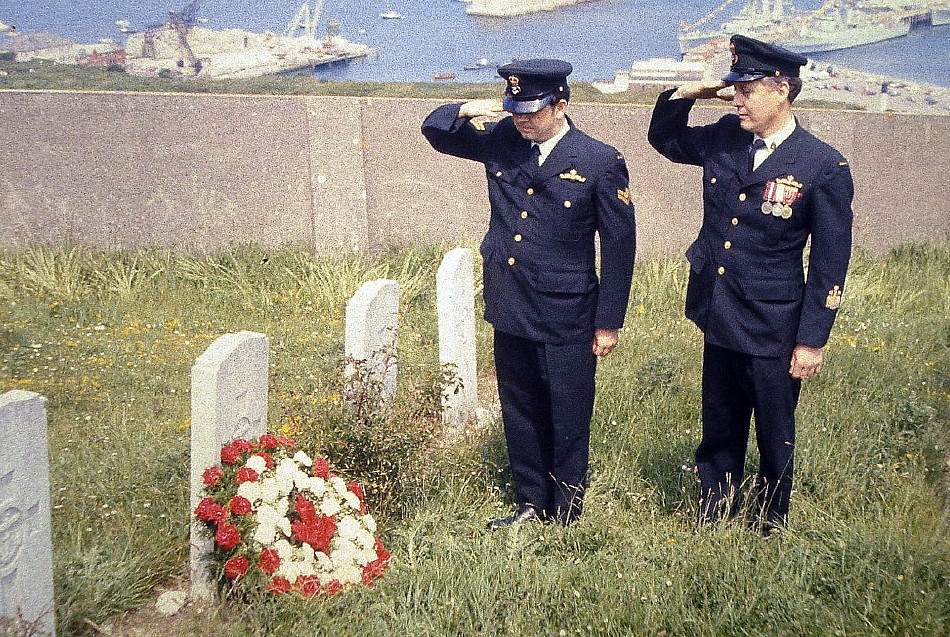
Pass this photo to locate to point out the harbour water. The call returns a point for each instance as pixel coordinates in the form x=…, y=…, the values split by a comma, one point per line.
x=438, y=37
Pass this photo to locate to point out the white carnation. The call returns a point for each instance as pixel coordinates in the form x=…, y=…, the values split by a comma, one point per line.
x=251, y=491
x=339, y=484
x=257, y=463
x=301, y=458
x=323, y=562
x=352, y=499
x=365, y=556
x=348, y=528
x=369, y=523
x=291, y=570
x=342, y=552
x=285, y=484
x=330, y=506
x=265, y=534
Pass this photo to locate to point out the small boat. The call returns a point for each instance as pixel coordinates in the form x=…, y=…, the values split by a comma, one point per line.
x=390, y=14
x=443, y=76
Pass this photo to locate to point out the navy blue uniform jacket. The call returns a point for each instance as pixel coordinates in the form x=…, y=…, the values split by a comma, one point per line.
x=747, y=288
x=539, y=273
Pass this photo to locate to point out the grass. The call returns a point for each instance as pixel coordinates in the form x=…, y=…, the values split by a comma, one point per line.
x=109, y=339
x=44, y=74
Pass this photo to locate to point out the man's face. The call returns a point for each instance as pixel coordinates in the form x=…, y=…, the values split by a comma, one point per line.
x=542, y=125
x=762, y=106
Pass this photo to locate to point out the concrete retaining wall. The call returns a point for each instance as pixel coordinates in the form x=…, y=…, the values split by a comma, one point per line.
x=338, y=173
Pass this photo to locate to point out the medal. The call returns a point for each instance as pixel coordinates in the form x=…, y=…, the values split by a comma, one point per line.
x=779, y=195
x=778, y=209
x=787, y=212
x=766, y=207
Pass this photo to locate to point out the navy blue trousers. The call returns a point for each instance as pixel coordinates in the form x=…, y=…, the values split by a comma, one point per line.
x=547, y=398
x=736, y=386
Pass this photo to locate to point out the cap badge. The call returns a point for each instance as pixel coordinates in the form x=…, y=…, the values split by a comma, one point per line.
x=514, y=80
x=573, y=176
x=735, y=56
x=833, y=302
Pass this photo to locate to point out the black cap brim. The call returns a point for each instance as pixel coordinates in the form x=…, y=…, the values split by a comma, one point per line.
x=529, y=106
x=744, y=75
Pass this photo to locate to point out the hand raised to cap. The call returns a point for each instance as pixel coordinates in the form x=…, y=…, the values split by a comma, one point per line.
x=482, y=108
x=705, y=91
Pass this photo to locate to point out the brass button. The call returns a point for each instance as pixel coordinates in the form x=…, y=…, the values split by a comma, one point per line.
x=721, y=270
x=498, y=174
x=735, y=221
x=713, y=180
x=530, y=191
x=741, y=196
x=524, y=214
x=511, y=260
x=727, y=245
x=517, y=237
x=567, y=204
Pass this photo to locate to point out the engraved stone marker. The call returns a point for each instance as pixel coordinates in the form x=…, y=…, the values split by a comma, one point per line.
x=228, y=401
x=455, y=293
x=26, y=549
x=371, y=323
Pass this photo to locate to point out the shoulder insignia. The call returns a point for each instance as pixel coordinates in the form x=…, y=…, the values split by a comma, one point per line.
x=624, y=195
x=833, y=302
x=842, y=163
x=573, y=176
x=477, y=125
x=619, y=155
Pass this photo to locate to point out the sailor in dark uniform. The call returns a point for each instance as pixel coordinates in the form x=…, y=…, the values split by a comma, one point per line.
x=551, y=188
x=768, y=185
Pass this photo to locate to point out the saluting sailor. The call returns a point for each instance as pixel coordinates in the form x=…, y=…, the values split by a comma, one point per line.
x=551, y=188
x=768, y=185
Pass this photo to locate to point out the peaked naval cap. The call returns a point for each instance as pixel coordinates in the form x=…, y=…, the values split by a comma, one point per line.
x=753, y=60
x=533, y=84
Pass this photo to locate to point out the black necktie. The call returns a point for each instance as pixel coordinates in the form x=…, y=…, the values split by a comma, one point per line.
x=533, y=158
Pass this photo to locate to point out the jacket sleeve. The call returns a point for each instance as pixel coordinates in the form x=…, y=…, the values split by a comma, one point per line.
x=617, y=231
x=670, y=135
x=830, y=252
x=447, y=133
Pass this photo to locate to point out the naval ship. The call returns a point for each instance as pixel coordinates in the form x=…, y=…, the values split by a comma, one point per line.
x=837, y=24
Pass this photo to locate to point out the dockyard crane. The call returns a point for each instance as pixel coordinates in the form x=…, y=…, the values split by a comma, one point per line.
x=306, y=20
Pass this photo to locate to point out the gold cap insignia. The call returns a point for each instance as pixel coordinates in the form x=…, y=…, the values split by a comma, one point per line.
x=624, y=195
x=514, y=80
x=833, y=302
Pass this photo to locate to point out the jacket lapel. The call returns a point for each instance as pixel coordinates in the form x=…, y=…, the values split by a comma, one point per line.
x=781, y=161
x=562, y=157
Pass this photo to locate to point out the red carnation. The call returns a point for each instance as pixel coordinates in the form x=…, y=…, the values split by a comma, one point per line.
x=381, y=553
x=269, y=561
x=309, y=585
x=242, y=445
x=279, y=585
x=321, y=468
x=373, y=570
x=287, y=442
x=357, y=489
x=210, y=511
x=239, y=505
x=268, y=441
x=334, y=587
x=230, y=454
x=236, y=567
x=246, y=474
x=227, y=536
x=212, y=475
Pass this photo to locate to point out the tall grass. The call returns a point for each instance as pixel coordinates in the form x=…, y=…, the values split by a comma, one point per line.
x=109, y=339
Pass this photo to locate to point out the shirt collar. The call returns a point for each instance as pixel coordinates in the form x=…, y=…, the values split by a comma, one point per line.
x=548, y=145
x=772, y=141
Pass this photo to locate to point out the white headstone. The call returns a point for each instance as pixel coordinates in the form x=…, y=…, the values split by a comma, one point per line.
x=455, y=293
x=26, y=548
x=372, y=317
x=228, y=401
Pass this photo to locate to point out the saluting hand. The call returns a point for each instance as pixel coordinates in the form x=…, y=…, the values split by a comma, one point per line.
x=705, y=91
x=806, y=361
x=482, y=108
x=605, y=341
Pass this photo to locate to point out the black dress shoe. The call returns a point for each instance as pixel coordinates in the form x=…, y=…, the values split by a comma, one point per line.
x=524, y=514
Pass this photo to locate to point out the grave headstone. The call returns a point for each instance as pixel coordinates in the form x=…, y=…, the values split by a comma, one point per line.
x=372, y=317
x=26, y=549
x=455, y=293
x=228, y=401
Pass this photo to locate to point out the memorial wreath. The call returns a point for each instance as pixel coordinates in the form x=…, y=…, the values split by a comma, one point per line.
x=283, y=522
